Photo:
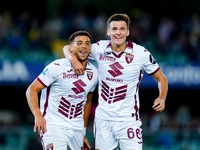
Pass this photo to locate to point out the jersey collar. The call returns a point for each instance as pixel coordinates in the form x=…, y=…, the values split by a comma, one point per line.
x=88, y=66
x=129, y=48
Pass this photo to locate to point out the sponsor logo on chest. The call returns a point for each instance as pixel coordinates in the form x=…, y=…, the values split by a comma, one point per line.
x=107, y=58
x=69, y=76
x=73, y=76
x=115, y=71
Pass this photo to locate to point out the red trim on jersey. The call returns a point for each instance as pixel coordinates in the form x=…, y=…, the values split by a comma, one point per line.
x=41, y=82
x=120, y=97
x=127, y=50
x=108, y=95
x=119, y=55
x=155, y=71
x=140, y=78
x=46, y=103
x=70, y=110
x=136, y=107
x=42, y=141
x=109, y=45
x=130, y=44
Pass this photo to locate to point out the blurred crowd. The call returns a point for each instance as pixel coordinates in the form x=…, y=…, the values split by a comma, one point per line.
x=169, y=40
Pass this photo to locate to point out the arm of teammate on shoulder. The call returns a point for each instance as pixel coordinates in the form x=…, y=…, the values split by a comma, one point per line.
x=87, y=109
x=32, y=99
x=159, y=103
x=78, y=67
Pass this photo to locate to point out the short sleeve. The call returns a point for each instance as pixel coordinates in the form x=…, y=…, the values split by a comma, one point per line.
x=94, y=52
x=48, y=75
x=149, y=64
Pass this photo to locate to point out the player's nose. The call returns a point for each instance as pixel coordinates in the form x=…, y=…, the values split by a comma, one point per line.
x=83, y=45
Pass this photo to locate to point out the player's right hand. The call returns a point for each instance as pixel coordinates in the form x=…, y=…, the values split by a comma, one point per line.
x=159, y=104
x=86, y=144
x=40, y=124
x=78, y=67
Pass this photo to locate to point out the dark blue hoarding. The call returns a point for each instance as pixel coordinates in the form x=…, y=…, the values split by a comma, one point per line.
x=19, y=72
x=178, y=76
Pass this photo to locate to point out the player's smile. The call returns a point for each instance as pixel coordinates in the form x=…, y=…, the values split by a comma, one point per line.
x=118, y=39
x=83, y=52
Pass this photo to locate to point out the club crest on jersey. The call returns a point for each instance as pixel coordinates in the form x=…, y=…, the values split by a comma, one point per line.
x=50, y=146
x=129, y=58
x=90, y=75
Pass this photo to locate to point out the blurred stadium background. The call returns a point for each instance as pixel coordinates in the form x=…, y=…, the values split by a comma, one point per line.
x=32, y=34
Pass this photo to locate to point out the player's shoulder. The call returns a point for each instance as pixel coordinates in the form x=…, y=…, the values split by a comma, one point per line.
x=91, y=67
x=140, y=50
x=59, y=63
x=102, y=43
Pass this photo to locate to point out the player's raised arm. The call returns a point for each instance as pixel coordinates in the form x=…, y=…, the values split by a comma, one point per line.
x=78, y=67
x=32, y=99
x=159, y=103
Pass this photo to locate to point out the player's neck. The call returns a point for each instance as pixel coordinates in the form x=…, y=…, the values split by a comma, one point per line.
x=118, y=48
x=84, y=63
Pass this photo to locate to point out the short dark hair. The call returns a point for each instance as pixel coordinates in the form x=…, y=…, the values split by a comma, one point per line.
x=79, y=33
x=119, y=17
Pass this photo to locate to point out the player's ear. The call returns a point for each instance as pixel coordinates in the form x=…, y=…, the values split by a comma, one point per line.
x=128, y=33
x=108, y=32
x=71, y=47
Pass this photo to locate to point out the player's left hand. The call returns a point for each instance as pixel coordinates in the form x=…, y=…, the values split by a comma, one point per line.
x=86, y=143
x=159, y=104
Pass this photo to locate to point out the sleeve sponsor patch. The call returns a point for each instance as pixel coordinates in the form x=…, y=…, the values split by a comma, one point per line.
x=44, y=72
x=151, y=59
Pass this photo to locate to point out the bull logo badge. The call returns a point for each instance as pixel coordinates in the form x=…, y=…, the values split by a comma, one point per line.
x=89, y=75
x=129, y=58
